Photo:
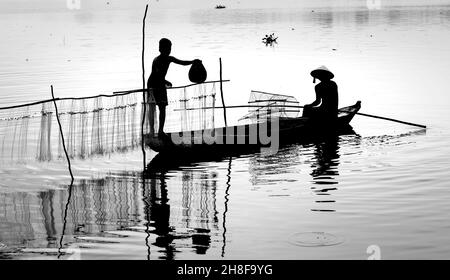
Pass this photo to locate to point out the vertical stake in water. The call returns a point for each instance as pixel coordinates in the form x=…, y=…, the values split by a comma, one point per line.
x=144, y=101
x=70, y=171
x=221, y=94
x=144, y=113
x=61, y=132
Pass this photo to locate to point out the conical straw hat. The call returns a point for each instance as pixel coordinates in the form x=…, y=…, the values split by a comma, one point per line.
x=321, y=72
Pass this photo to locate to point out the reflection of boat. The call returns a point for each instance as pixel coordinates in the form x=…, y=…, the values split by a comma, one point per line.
x=249, y=137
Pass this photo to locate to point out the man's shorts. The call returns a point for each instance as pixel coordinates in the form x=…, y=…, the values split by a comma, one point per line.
x=159, y=96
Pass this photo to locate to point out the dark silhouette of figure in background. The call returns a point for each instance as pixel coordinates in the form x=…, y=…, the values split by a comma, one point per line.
x=157, y=83
x=325, y=107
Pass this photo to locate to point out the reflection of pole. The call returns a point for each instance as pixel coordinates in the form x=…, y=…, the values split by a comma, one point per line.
x=65, y=219
x=221, y=94
x=144, y=103
x=226, y=208
x=146, y=199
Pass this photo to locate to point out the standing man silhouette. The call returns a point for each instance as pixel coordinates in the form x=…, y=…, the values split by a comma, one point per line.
x=157, y=84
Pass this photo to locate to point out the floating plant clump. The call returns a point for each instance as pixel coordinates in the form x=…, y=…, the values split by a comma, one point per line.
x=270, y=39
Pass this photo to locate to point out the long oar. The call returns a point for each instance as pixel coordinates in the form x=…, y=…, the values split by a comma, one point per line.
x=392, y=120
x=292, y=106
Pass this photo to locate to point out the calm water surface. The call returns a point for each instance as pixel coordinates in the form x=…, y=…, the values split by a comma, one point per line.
x=387, y=185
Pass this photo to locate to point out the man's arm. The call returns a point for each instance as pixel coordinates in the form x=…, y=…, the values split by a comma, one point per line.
x=181, y=62
x=316, y=102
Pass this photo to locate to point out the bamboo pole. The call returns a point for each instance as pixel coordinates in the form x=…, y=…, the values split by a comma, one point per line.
x=67, y=98
x=276, y=94
x=392, y=120
x=62, y=135
x=221, y=94
x=115, y=94
x=177, y=87
x=144, y=116
x=241, y=106
x=293, y=106
x=144, y=101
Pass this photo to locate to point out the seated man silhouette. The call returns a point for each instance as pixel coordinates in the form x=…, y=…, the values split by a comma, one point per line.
x=157, y=83
x=325, y=107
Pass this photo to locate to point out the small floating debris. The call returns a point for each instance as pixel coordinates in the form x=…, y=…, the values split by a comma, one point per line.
x=220, y=7
x=334, y=49
x=269, y=40
x=315, y=239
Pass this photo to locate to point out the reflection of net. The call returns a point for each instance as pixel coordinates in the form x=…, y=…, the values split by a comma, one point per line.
x=177, y=119
x=196, y=197
x=95, y=206
x=265, y=105
x=91, y=126
x=96, y=125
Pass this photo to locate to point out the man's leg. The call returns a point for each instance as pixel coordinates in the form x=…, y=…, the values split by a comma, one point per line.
x=151, y=112
x=162, y=119
x=151, y=118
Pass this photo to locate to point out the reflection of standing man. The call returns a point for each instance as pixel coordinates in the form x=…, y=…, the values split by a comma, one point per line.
x=158, y=214
x=201, y=240
x=159, y=208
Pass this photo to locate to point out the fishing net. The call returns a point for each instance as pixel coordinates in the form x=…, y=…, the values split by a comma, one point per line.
x=179, y=119
x=265, y=105
x=96, y=125
x=90, y=126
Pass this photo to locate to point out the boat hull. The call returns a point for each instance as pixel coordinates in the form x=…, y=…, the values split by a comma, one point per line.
x=252, y=137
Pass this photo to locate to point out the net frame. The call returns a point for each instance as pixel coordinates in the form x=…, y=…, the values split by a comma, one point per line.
x=270, y=105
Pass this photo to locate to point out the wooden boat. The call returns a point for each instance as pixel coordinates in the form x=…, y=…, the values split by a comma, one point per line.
x=248, y=137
